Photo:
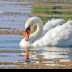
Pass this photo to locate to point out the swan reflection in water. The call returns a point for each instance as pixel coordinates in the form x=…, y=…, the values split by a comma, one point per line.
x=31, y=55
x=27, y=59
x=62, y=54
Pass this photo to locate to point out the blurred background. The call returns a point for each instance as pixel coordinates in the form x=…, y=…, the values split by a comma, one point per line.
x=14, y=13
x=48, y=9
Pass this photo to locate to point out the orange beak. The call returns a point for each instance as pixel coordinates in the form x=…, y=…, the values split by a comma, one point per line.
x=27, y=34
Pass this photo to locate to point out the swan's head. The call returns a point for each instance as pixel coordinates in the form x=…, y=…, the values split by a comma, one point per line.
x=29, y=25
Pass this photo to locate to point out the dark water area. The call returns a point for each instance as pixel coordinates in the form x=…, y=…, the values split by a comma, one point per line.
x=13, y=15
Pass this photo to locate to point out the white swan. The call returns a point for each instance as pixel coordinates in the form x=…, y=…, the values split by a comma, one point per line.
x=52, y=34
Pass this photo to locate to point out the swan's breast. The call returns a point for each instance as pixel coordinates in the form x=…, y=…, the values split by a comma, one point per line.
x=24, y=43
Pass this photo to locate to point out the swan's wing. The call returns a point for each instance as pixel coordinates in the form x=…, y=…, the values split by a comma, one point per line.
x=52, y=23
x=60, y=35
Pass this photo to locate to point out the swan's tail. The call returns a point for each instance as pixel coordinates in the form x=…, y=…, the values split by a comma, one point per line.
x=52, y=23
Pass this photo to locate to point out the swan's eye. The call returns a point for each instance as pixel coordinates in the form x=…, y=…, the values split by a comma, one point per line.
x=27, y=28
x=27, y=33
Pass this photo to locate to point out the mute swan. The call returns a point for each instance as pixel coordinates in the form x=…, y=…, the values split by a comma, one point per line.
x=52, y=34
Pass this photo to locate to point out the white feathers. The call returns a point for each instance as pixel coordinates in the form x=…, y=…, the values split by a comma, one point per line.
x=54, y=34
x=51, y=24
x=61, y=35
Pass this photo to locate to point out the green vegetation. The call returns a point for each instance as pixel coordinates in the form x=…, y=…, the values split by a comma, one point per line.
x=47, y=13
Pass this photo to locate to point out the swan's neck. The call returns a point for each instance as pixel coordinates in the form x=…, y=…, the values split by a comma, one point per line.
x=39, y=30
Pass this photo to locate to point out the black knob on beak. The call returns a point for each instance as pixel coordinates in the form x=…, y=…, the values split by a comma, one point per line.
x=25, y=30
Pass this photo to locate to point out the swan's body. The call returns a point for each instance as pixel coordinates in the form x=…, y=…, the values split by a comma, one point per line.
x=52, y=34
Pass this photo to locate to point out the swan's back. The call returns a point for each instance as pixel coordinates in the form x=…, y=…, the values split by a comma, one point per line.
x=60, y=35
x=52, y=23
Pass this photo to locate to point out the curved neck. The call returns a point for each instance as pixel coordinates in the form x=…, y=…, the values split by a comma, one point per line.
x=39, y=31
x=39, y=24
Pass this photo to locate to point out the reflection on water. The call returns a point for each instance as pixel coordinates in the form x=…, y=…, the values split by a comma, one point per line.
x=52, y=54
x=27, y=59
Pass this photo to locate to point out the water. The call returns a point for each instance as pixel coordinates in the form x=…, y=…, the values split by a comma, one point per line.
x=49, y=9
x=13, y=15
x=51, y=53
